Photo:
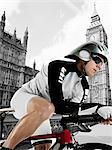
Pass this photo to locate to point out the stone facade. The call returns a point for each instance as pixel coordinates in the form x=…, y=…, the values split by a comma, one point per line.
x=13, y=72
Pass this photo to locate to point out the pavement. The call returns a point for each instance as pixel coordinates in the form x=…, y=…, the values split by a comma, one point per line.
x=100, y=134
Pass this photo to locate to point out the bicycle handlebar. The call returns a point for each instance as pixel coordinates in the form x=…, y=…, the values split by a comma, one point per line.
x=82, y=118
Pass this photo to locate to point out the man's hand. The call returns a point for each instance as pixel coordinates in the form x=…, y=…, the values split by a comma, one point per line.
x=107, y=122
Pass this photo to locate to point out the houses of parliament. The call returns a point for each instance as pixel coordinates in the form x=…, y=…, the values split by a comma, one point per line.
x=14, y=72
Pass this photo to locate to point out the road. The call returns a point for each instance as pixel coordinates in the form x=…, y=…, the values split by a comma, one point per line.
x=100, y=133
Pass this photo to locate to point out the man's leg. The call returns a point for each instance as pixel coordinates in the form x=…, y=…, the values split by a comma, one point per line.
x=38, y=110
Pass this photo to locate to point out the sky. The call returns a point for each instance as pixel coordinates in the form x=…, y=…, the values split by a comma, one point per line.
x=55, y=26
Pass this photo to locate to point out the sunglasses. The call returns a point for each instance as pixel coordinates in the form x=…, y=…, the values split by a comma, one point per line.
x=97, y=60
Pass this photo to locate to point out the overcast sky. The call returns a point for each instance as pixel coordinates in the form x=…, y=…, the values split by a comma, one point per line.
x=55, y=26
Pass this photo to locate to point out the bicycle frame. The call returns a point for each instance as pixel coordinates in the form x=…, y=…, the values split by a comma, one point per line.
x=65, y=137
x=65, y=140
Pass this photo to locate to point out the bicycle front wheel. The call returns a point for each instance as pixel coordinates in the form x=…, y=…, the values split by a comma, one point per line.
x=94, y=146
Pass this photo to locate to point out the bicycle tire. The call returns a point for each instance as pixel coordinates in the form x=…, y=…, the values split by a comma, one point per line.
x=87, y=146
x=57, y=146
x=94, y=146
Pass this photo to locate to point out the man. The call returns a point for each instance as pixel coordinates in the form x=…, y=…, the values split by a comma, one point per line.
x=59, y=87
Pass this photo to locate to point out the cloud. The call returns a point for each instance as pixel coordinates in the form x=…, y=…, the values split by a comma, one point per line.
x=75, y=5
x=9, y=6
x=69, y=37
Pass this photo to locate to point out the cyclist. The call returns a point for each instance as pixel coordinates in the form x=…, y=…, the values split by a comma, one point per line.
x=59, y=87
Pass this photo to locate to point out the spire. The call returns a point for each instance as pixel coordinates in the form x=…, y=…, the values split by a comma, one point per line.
x=2, y=22
x=26, y=32
x=3, y=18
x=15, y=31
x=34, y=65
x=95, y=17
x=25, y=40
x=94, y=12
x=14, y=35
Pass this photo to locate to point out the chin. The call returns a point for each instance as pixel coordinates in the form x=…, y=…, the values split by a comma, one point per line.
x=91, y=75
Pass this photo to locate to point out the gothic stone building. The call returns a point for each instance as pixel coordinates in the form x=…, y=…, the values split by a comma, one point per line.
x=13, y=72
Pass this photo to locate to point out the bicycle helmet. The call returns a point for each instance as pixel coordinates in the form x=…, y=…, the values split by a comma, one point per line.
x=87, y=50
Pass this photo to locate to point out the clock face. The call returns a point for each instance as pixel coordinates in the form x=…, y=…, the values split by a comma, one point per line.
x=92, y=37
x=95, y=37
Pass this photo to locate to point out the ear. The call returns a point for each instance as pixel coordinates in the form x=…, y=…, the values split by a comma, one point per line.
x=83, y=63
x=84, y=55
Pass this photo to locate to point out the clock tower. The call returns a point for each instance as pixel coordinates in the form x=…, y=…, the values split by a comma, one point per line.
x=99, y=84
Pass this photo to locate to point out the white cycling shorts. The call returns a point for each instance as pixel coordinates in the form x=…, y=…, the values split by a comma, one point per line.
x=19, y=102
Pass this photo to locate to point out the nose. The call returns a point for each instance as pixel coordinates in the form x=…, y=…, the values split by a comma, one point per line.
x=99, y=66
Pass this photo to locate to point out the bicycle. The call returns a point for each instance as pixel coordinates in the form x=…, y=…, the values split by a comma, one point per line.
x=65, y=140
